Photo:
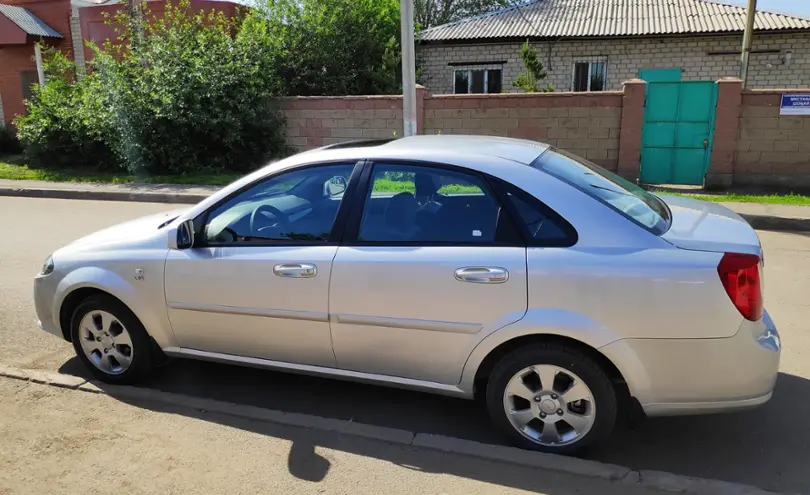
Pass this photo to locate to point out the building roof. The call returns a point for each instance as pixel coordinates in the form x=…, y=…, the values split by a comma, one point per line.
x=27, y=21
x=609, y=18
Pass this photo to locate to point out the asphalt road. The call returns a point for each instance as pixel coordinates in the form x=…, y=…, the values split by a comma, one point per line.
x=768, y=447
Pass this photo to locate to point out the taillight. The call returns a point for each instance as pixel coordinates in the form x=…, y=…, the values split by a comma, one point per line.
x=739, y=274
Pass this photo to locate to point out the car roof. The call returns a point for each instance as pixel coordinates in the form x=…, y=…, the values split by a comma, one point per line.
x=450, y=149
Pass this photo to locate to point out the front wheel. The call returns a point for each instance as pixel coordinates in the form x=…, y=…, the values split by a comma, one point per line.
x=551, y=398
x=111, y=341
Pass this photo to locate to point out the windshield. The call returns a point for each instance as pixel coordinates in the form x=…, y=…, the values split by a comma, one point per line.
x=623, y=196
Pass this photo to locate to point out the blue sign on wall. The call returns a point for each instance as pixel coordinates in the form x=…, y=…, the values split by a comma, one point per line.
x=795, y=104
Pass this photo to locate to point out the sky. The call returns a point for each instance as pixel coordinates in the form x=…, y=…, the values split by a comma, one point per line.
x=800, y=7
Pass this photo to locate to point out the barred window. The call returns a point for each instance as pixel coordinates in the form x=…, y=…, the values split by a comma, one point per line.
x=478, y=80
x=590, y=74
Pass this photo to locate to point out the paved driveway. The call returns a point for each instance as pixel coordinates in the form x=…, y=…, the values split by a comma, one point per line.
x=768, y=447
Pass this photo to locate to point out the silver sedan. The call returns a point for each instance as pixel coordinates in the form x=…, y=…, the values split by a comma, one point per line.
x=468, y=266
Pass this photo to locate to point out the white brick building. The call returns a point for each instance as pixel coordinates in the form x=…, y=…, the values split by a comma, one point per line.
x=598, y=44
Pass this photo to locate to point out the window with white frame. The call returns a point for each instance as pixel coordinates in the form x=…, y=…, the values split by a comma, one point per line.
x=590, y=74
x=477, y=80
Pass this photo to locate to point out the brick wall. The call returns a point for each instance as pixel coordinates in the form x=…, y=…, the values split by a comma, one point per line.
x=587, y=124
x=772, y=149
x=626, y=57
x=318, y=121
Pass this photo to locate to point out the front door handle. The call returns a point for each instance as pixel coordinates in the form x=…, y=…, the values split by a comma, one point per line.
x=482, y=275
x=706, y=144
x=295, y=270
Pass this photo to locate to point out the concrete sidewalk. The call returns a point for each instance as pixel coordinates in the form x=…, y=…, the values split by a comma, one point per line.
x=143, y=193
x=760, y=216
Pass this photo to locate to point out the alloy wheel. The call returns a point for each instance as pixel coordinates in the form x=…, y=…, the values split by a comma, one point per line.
x=549, y=405
x=106, y=342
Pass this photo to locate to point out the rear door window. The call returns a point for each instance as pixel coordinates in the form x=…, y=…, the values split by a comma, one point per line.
x=643, y=208
x=431, y=205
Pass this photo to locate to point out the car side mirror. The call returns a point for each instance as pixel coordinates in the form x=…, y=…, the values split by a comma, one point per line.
x=182, y=236
x=334, y=186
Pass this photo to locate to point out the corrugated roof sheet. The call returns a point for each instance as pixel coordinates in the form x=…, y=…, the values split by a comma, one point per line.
x=605, y=18
x=27, y=21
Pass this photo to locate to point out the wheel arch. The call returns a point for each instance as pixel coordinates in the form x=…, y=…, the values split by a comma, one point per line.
x=86, y=282
x=491, y=359
x=71, y=302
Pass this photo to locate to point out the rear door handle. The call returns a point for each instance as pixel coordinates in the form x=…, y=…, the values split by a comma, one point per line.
x=295, y=270
x=482, y=275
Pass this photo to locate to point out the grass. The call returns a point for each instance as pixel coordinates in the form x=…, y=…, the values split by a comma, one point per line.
x=11, y=169
x=768, y=199
x=393, y=186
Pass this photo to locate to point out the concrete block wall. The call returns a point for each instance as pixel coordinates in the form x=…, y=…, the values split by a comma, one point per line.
x=317, y=121
x=625, y=57
x=771, y=149
x=587, y=124
x=753, y=144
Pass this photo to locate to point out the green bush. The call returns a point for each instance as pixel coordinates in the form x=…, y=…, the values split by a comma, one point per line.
x=9, y=144
x=190, y=96
x=66, y=123
x=188, y=93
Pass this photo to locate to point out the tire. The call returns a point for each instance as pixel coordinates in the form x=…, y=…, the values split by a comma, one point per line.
x=110, y=324
x=529, y=398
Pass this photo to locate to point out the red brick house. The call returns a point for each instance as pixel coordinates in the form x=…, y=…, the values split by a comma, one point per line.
x=66, y=24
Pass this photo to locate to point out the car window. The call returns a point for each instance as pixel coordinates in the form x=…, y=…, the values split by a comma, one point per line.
x=623, y=196
x=542, y=225
x=300, y=205
x=408, y=203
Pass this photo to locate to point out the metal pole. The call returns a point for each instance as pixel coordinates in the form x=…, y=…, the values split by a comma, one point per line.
x=40, y=68
x=408, y=69
x=747, y=39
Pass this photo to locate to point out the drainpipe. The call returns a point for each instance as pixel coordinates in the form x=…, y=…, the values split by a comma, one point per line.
x=747, y=39
x=408, y=68
x=40, y=69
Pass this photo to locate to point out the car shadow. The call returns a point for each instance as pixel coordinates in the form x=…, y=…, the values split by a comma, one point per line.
x=766, y=447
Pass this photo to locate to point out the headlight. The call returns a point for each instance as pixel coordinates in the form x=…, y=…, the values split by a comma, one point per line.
x=47, y=267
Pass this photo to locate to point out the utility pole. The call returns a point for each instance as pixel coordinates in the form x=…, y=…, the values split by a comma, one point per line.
x=747, y=40
x=408, y=68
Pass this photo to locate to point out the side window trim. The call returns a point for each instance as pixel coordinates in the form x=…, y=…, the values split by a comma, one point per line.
x=201, y=220
x=351, y=232
x=502, y=188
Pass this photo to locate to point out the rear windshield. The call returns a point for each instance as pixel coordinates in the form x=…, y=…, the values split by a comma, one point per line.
x=623, y=196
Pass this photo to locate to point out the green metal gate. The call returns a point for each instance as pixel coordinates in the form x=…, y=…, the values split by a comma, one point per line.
x=676, y=140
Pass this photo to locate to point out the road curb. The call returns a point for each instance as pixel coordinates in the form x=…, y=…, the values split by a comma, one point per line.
x=777, y=224
x=512, y=455
x=668, y=482
x=101, y=195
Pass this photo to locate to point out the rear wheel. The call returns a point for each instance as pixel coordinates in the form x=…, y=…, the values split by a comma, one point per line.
x=111, y=341
x=550, y=398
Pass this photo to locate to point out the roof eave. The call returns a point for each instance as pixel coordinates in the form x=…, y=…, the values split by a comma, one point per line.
x=521, y=39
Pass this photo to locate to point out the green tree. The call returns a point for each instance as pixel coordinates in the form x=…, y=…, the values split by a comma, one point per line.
x=530, y=80
x=193, y=95
x=334, y=47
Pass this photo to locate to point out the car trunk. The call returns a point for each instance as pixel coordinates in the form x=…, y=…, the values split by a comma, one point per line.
x=704, y=226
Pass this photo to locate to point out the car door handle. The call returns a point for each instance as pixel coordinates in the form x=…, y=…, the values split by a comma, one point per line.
x=295, y=270
x=482, y=275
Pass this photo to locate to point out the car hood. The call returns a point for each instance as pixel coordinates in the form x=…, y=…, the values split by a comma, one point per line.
x=129, y=232
x=704, y=226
